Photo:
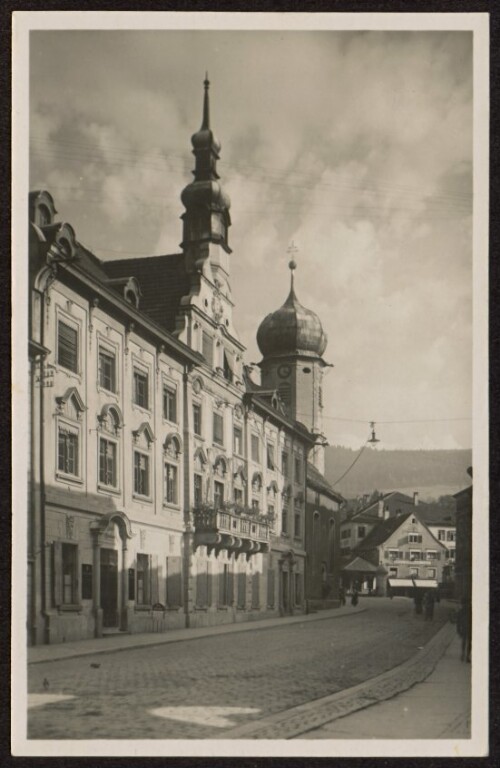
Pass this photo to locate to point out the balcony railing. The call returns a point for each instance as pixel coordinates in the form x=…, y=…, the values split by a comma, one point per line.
x=237, y=531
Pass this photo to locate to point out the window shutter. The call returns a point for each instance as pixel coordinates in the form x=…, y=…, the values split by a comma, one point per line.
x=222, y=580
x=67, y=346
x=174, y=582
x=230, y=586
x=57, y=582
x=154, y=579
x=270, y=589
x=255, y=591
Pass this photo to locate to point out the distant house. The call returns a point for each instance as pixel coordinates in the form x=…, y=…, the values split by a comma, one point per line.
x=443, y=525
x=398, y=554
x=355, y=528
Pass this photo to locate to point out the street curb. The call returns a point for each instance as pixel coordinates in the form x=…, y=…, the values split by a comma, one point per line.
x=183, y=636
x=293, y=722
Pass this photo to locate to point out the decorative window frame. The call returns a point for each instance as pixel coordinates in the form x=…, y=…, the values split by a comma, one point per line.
x=146, y=370
x=112, y=436
x=255, y=436
x=198, y=402
x=64, y=421
x=113, y=349
x=77, y=324
x=171, y=384
x=238, y=426
x=145, y=434
x=218, y=412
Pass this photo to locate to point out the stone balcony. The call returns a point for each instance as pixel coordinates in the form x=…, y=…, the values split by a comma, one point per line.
x=234, y=531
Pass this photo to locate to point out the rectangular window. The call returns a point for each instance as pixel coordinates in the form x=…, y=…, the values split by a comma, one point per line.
x=197, y=490
x=143, y=592
x=141, y=474
x=67, y=452
x=208, y=348
x=431, y=573
x=218, y=494
x=171, y=494
x=296, y=527
x=431, y=554
x=413, y=571
x=197, y=419
x=218, y=429
x=170, y=404
x=298, y=469
x=67, y=346
x=255, y=448
x=107, y=370
x=255, y=505
x=238, y=496
x=393, y=554
x=69, y=554
x=131, y=583
x=270, y=456
x=284, y=463
x=414, y=538
x=107, y=462
x=415, y=554
x=86, y=582
x=393, y=573
x=441, y=535
x=141, y=388
x=284, y=521
x=361, y=531
x=238, y=441
x=451, y=554
x=450, y=536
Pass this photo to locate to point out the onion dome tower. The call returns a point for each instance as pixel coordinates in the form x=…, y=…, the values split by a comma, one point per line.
x=206, y=219
x=292, y=343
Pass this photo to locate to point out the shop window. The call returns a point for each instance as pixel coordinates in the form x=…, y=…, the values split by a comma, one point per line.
x=67, y=346
x=69, y=574
x=86, y=582
x=143, y=591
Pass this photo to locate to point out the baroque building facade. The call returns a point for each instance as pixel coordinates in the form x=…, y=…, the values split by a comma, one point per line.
x=167, y=488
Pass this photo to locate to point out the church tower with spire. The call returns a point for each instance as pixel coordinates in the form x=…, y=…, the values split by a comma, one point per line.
x=206, y=220
x=292, y=342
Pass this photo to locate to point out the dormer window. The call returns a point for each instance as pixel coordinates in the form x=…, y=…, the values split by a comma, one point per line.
x=44, y=217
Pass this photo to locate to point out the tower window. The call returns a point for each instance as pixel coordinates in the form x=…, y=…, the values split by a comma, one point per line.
x=208, y=349
x=218, y=429
x=255, y=448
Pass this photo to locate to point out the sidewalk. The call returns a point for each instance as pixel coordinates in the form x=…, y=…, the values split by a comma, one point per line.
x=437, y=708
x=123, y=642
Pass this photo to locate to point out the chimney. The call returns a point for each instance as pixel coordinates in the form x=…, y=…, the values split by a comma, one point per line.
x=386, y=514
x=365, y=499
x=380, y=511
x=415, y=498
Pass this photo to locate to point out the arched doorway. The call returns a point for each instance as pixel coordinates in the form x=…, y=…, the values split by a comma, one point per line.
x=110, y=590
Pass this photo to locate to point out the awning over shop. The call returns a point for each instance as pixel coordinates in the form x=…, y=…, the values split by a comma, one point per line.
x=426, y=583
x=400, y=583
x=419, y=583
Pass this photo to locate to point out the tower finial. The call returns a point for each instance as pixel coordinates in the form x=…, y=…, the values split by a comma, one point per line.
x=292, y=264
x=206, y=106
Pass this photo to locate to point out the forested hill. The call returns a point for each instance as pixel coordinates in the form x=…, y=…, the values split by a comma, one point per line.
x=432, y=473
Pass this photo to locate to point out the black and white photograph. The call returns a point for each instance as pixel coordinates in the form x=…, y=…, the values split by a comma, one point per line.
x=251, y=268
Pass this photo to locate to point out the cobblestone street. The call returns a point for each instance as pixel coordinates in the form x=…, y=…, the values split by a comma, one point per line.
x=200, y=688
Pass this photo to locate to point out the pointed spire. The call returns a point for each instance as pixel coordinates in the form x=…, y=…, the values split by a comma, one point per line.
x=292, y=265
x=206, y=105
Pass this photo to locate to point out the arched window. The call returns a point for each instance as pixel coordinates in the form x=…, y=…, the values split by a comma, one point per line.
x=70, y=409
x=110, y=422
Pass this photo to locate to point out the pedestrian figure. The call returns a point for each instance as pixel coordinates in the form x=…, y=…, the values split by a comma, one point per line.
x=342, y=595
x=354, y=598
x=418, y=603
x=429, y=606
x=464, y=629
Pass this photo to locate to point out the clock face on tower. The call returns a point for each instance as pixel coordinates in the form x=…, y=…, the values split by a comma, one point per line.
x=284, y=371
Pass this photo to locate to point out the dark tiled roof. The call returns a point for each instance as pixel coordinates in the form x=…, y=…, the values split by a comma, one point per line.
x=432, y=514
x=316, y=480
x=360, y=565
x=382, y=531
x=163, y=282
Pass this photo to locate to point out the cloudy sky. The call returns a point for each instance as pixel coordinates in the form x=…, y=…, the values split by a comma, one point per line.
x=356, y=146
